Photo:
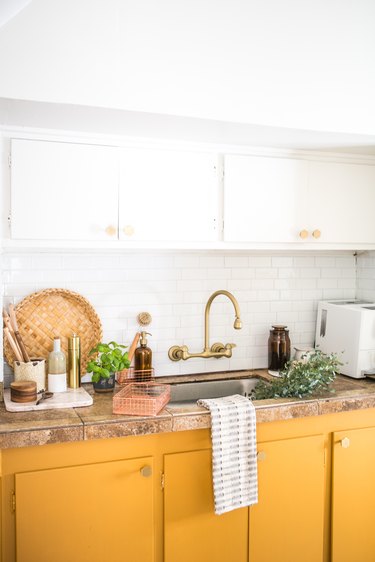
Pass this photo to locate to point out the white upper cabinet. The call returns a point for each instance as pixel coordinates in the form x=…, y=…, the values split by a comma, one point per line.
x=75, y=193
x=168, y=195
x=264, y=198
x=342, y=202
x=63, y=191
x=276, y=201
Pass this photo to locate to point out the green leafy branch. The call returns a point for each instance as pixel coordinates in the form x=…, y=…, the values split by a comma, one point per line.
x=301, y=378
x=110, y=359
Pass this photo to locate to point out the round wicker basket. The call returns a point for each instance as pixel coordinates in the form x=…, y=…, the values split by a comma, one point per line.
x=51, y=313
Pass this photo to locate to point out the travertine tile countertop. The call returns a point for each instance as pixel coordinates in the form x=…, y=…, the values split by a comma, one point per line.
x=25, y=429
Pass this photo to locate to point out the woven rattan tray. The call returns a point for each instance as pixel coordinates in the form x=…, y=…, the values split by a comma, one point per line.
x=55, y=312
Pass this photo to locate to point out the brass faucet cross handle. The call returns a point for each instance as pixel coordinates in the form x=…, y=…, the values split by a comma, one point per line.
x=217, y=350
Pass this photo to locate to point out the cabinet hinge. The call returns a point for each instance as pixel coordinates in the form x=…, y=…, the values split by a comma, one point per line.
x=162, y=480
x=9, y=219
x=9, y=160
x=13, y=502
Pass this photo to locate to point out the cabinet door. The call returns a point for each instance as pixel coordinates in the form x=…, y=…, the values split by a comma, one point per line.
x=341, y=202
x=88, y=513
x=353, y=496
x=62, y=191
x=287, y=523
x=168, y=195
x=192, y=530
x=264, y=199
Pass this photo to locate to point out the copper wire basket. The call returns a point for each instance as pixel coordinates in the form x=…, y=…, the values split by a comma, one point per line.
x=141, y=399
x=131, y=375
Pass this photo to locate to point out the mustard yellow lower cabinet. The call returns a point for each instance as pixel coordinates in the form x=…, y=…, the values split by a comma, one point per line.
x=353, y=496
x=192, y=531
x=104, y=500
x=86, y=513
x=287, y=523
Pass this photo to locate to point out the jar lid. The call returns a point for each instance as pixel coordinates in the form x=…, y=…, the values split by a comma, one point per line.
x=279, y=327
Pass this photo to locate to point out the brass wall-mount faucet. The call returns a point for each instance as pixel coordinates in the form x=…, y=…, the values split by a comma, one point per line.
x=176, y=353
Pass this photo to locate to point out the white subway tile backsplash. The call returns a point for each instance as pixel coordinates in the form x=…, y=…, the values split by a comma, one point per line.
x=310, y=272
x=344, y=261
x=282, y=261
x=304, y=261
x=325, y=261
x=262, y=284
x=258, y=261
x=347, y=284
x=175, y=286
x=266, y=273
x=243, y=273
x=236, y=261
x=327, y=283
x=268, y=295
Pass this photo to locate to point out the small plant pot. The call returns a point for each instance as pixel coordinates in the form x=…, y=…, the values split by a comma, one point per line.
x=105, y=385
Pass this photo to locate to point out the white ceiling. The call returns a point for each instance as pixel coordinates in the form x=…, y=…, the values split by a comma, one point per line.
x=301, y=66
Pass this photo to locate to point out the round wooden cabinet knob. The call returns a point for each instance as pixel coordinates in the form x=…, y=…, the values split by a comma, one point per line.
x=111, y=230
x=128, y=230
x=261, y=456
x=303, y=234
x=146, y=471
x=345, y=443
x=316, y=233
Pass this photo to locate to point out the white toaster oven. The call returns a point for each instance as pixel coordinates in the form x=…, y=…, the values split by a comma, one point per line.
x=347, y=328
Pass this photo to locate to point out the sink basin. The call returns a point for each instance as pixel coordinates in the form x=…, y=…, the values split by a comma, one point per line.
x=190, y=392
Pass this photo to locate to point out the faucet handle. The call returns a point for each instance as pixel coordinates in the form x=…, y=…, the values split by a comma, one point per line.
x=230, y=345
x=217, y=347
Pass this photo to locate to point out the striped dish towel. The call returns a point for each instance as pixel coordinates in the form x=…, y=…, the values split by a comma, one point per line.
x=234, y=453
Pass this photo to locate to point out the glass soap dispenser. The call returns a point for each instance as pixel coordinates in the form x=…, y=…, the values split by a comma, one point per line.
x=57, y=368
x=143, y=358
x=278, y=348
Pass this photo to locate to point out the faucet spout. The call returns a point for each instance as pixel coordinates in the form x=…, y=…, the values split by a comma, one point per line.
x=237, y=322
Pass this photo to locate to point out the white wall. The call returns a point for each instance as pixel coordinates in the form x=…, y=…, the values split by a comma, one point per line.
x=174, y=288
x=305, y=65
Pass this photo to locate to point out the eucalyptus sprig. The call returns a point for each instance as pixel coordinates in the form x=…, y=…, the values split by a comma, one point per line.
x=111, y=358
x=301, y=378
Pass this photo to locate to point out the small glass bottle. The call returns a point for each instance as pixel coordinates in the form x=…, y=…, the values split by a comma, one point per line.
x=278, y=348
x=57, y=368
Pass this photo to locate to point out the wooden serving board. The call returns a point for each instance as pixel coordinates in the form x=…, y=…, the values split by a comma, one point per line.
x=72, y=398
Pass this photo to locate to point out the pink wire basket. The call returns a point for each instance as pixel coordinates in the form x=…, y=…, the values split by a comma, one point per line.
x=131, y=375
x=141, y=399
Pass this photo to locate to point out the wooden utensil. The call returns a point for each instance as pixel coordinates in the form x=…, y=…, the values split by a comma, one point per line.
x=133, y=346
x=8, y=325
x=13, y=321
x=13, y=345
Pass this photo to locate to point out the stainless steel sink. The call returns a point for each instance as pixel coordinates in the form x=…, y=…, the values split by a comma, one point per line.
x=190, y=392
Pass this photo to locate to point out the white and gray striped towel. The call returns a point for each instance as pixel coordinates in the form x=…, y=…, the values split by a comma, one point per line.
x=234, y=455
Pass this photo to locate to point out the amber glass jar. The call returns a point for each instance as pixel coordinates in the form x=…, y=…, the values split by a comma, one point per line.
x=278, y=348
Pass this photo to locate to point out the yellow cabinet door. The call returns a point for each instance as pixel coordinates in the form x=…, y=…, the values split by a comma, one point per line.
x=192, y=530
x=353, y=496
x=93, y=513
x=287, y=523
